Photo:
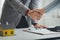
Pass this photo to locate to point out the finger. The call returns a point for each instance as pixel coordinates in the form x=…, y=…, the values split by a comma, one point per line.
x=38, y=17
x=38, y=27
x=34, y=17
x=42, y=11
x=44, y=26
x=37, y=14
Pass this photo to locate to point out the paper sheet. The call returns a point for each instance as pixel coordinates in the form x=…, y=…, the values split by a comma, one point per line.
x=42, y=31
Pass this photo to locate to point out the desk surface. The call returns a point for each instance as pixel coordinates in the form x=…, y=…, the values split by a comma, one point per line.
x=21, y=35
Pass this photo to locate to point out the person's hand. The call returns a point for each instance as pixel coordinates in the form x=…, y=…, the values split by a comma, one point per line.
x=39, y=26
x=36, y=14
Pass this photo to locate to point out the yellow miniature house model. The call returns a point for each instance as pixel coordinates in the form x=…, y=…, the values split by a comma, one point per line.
x=6, y=32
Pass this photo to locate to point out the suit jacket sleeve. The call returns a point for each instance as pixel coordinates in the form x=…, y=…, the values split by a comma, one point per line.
x=33, y=22
x=19, y=6
x=51, y=5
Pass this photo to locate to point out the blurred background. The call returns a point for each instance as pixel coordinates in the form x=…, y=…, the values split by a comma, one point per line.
x=52, y=18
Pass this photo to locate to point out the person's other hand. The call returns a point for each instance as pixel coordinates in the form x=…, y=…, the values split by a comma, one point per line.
x=39, y=26
x=36, y=14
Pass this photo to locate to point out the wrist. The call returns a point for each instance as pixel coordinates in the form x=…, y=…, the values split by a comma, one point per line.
x=27, y=12
x=34, y=24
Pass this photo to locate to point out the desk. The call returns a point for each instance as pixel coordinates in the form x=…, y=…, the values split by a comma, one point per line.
x=21, y=35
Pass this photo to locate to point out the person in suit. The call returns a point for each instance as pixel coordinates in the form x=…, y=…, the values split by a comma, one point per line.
x=13, y=10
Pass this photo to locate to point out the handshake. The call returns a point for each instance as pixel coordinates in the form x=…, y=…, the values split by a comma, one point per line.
x=36, y=14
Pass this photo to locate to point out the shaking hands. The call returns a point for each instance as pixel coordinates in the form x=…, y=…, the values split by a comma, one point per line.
x=36, y=14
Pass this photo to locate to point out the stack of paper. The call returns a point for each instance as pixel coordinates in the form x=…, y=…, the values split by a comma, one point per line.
x=41, y=31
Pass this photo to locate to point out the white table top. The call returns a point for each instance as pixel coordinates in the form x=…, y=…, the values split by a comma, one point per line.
x=21, y=35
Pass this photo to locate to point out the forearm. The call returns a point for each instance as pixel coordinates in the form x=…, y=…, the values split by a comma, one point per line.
x=19, y=6
x=51, y=5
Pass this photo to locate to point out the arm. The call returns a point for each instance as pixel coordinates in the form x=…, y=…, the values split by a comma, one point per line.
x=19, y=6
x=51, y=5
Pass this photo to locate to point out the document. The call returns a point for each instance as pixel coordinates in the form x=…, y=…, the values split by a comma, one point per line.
x=41, y=31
